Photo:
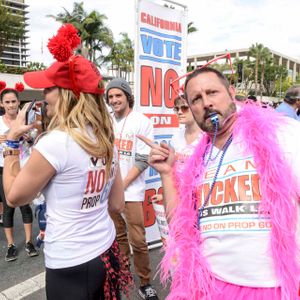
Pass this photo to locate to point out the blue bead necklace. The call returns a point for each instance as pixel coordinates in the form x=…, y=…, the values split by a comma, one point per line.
x=224, y=149
x=215, y=120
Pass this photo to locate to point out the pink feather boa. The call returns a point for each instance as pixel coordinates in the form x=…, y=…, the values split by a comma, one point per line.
x=192, y=278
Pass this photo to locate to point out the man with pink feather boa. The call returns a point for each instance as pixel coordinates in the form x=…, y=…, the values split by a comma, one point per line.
x=234, y=210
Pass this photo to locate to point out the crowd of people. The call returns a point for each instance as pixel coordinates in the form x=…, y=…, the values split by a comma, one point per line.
x=230, y=177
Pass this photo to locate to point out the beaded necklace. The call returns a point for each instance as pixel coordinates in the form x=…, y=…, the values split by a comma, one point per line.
x=215, y=121
x=224, y=148
x=121, y=133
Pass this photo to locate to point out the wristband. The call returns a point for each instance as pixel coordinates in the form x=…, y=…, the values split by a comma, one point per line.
x=8, y=152
x=12, y=144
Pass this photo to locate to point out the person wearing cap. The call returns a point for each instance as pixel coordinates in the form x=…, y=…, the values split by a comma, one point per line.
x=234, y=231
x=291, y=103
x=10, y=101
x=75, y=165
x=133, y=155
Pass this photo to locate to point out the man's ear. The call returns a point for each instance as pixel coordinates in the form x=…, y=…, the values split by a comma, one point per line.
x=231, y=90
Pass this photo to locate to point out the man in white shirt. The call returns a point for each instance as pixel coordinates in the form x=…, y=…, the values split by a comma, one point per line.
x=133, y=155
x=234, y=210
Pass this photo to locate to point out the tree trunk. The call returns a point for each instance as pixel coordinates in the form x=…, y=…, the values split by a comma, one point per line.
x=262, y=78
x=256, y=76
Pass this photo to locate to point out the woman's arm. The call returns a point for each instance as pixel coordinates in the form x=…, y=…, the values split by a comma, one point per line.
x=116, y=198
x=22, y=186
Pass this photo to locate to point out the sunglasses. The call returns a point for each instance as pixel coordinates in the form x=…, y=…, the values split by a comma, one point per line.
x=178, y=83
x=183, y=108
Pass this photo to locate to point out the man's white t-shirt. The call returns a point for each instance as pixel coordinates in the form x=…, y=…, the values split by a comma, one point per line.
x=236, y=239
x=79, y=227
x=182, y=150
x=128, y=146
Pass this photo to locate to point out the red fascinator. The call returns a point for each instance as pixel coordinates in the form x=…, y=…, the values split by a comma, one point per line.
x=72, y=72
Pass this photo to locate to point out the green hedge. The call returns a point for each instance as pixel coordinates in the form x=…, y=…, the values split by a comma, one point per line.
x=19, y=70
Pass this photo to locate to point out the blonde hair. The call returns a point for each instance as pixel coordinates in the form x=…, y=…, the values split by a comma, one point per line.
x=89, y=110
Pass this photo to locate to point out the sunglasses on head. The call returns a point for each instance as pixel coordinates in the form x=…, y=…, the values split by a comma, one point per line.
x=183, y=108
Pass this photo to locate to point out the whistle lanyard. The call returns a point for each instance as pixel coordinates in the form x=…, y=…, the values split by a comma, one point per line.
x=121, y=133
x=224, y=148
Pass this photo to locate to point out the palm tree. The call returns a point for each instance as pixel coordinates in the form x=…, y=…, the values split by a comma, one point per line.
x=248, y=74
x=95, y=35
x=121, y=56
x=128, y=53
x=259, y=52
x=274, y=76
x=75, y=17
x=191, y=28
x=266, y=59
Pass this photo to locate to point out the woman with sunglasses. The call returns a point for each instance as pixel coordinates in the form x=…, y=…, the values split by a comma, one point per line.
x=186, y=138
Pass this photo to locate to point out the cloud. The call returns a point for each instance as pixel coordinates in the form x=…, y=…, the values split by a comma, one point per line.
x=223, y=24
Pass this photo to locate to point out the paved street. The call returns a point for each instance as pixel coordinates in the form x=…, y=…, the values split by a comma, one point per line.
x=23, y=278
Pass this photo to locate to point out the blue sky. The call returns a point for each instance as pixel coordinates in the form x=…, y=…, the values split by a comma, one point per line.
x=222, y=24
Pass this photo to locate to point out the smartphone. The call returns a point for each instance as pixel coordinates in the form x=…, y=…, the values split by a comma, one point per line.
x=45, y=119
x=31, y=113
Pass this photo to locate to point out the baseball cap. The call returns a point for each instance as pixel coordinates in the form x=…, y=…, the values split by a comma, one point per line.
x=77, y=74
x=119, y=83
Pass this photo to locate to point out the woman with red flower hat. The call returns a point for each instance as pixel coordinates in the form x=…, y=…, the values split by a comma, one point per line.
x=76, y=167
x=10, y=102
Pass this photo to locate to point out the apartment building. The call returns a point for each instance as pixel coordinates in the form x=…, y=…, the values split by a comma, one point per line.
x=15, y=53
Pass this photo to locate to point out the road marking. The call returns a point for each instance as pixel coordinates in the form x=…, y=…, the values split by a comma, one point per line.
x=24, y=288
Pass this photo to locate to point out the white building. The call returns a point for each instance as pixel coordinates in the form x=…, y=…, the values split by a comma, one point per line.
x=292, y=64
x=15, y=53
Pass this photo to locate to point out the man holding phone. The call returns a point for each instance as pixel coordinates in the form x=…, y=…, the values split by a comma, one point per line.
x=10, y=101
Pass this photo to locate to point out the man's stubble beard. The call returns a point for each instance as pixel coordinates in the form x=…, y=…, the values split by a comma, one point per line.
x=209, y=127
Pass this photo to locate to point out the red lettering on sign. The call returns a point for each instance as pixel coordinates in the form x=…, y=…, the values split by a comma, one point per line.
x=169, y=93
x=149, y=214
x=151, y=86
x=154, y=88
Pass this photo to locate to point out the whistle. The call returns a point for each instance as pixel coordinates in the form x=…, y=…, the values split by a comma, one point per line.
x=214, y=118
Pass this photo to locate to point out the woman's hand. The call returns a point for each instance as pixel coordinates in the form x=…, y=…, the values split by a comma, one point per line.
x=3, y=138
x=18, y=127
